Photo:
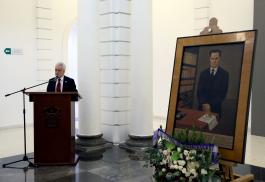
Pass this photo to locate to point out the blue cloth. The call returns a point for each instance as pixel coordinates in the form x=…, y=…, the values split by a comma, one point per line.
x=211, y=147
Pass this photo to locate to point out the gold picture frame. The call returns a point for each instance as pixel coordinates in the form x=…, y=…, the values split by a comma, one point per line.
x=229, y=128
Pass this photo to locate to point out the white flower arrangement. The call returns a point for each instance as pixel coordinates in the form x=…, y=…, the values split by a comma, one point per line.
x=180, y=163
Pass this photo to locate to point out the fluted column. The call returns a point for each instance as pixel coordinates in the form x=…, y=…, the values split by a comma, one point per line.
x=114, y=68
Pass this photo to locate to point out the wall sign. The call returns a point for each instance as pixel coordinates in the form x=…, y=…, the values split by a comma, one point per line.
x=13, y=51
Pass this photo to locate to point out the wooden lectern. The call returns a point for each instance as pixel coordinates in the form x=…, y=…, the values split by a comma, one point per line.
x=54, y=127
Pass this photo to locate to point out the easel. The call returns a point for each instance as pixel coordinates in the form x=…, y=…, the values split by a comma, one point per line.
x=228, y=174
x=225, y=166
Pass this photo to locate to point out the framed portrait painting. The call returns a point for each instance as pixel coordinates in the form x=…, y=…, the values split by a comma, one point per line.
x=210, y=89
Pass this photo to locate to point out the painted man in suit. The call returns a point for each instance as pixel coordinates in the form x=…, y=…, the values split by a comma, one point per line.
x=61, y=83
x=213, y=85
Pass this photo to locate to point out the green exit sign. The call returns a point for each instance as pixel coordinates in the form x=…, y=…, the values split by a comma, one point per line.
x=13, y=51
x=7, y=50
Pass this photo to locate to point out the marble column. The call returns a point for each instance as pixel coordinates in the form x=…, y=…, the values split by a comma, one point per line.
x=89, y=143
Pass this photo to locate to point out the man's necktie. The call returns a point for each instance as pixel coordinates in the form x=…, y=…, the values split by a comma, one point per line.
x=212, y=72
x=58, y=87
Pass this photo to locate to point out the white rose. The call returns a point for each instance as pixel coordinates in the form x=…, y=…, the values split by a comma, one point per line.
x=175, y=166
x=165, y=152
x=187, y=174
x=179, y=149
x=191, y=165
x=186, y=152
x=203, y=171
x=184, y=170
x=163, y=162
x=193, y=171
x=181, y=162
x=172, y=166
x=163, y=170
x=180, y=167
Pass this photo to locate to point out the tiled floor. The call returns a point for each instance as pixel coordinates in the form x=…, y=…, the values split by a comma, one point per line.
x=11, y=141
x=116, y=165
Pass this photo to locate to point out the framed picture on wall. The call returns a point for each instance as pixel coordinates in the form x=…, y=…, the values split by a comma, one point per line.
x=210, y=89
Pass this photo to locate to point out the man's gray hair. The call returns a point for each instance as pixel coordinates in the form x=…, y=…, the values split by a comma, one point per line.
x=61, y=64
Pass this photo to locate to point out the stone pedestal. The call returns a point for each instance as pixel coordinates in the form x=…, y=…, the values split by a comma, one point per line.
x=91, y=147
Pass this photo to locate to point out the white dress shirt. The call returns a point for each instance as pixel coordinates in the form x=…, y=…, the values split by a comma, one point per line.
x=215, y=70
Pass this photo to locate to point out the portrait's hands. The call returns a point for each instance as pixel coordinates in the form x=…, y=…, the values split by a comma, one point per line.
x=207, y=109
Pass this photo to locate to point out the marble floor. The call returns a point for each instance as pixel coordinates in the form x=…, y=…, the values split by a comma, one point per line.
x=116, y=164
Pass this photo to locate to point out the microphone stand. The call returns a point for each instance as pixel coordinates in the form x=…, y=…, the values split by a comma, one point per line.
x=25, y=157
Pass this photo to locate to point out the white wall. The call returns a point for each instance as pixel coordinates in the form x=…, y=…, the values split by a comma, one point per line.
x=64, y=19
x=171, y=19
x=236, y=15
x=17, y=30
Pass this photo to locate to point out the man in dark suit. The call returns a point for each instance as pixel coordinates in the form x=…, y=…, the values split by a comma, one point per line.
x=61, y=83
x=213, y=85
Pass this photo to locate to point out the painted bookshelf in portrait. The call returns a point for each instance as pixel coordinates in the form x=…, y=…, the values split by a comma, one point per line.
x=188, y=78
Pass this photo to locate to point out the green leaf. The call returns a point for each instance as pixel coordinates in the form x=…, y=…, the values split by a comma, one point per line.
x=169, y=145
x=160, y=173
x=201, y=138
x=175, y=155
x=187, y=131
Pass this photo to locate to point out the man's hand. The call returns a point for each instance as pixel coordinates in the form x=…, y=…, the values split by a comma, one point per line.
x=207, y=109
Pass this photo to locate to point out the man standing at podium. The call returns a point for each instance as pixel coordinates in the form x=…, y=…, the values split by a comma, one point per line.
x=61, y=83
